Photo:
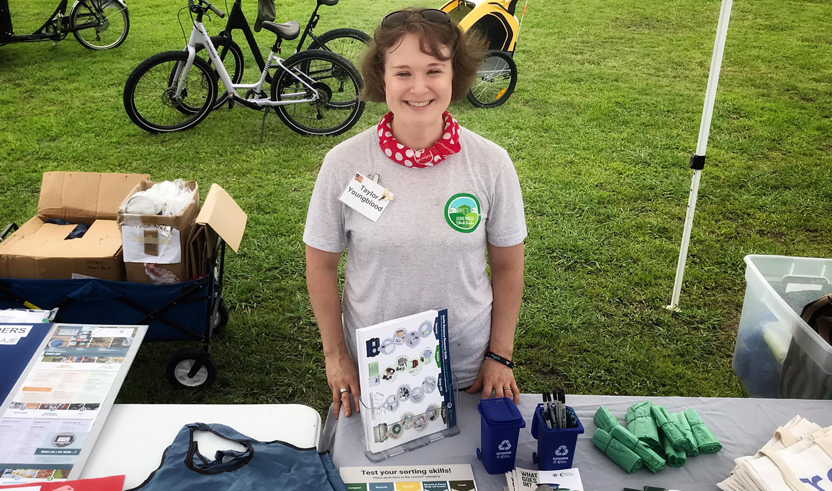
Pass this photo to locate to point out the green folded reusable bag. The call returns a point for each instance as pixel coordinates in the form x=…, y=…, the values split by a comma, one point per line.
x=674, y=458
x=650, y=458
x=670, y=429
x=682, y=423
x=705, y=439
x=640, y=422
x=615, y=450
x=604, y=419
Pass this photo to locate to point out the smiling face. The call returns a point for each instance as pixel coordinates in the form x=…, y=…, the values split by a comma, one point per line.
x=418, y=86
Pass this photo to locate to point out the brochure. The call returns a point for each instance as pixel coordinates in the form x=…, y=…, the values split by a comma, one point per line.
x=56, y=409
x=528, y=480
x=413, y=478
x=18, y=342
x=405, y=372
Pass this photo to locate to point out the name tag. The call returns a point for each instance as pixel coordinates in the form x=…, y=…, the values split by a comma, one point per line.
x=366, y=197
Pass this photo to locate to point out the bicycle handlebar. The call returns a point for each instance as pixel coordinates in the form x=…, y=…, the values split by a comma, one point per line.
x=209, y=5
x=217, y=11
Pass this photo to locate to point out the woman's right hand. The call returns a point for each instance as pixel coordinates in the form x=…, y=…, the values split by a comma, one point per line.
x=341, y=373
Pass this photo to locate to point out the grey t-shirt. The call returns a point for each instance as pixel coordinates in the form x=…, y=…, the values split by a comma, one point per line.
x=428, y=248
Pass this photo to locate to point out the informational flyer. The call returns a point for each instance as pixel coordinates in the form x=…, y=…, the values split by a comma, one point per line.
x=528, y=480
x=457, y=477
x=405, y=372
x=56, y=410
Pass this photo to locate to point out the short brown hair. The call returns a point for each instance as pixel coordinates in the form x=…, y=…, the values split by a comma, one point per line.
x=467, y=53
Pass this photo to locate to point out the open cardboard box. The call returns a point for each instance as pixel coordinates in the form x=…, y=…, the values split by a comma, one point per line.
x=40, y=250
x=157, y=239
x=220, y=216
x=194, y=239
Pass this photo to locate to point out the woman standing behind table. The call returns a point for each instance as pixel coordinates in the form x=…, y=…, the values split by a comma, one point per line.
x=456, y=196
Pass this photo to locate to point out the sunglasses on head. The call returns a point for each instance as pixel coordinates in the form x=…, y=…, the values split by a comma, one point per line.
x=433, y=16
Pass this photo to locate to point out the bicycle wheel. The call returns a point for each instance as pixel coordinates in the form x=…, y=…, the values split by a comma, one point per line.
x=334, y=84
x=495, y=80
x=349, y=43
x=229, y=52
x=103, y=23
x=150, y=97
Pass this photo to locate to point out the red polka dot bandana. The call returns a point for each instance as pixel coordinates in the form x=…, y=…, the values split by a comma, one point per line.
x=400, y=154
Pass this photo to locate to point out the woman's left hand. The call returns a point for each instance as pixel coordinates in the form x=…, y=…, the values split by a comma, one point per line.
x=497, y=378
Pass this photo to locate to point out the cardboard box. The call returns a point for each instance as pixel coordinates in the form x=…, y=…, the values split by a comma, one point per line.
x=40, y=250
x=220, y=216
x=160, y=240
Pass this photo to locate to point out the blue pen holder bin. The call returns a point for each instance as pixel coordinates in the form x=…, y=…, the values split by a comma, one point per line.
x=555, y=447
x=500, y=429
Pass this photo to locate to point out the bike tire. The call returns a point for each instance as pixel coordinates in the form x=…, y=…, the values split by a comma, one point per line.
x=495, y=81
x=347, y=42
x=102, y=10
x=140, y=116
x=326, y=68
x=224, y=47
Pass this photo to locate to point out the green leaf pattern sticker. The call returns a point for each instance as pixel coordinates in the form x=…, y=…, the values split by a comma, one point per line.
x=462, y=212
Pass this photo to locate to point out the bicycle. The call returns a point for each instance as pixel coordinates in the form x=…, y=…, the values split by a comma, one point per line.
x=175, y=90
x=96, y=24
x=347, y=42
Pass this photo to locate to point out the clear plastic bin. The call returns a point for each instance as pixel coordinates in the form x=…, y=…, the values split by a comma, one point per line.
x=777, y=354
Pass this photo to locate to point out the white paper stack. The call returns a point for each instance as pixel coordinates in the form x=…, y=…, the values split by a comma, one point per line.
x=797, y=458
x=528, y=480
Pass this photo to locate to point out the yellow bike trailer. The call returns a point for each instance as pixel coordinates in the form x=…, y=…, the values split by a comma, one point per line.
x=497, y=22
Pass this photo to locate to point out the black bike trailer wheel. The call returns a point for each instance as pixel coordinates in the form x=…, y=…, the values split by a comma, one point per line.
x=495, y=80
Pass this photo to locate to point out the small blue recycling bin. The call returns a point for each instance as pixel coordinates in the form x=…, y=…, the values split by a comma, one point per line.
x=500, y=428
x=555, y=447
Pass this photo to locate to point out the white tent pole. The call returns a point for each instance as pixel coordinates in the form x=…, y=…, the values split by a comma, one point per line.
x=698, y=160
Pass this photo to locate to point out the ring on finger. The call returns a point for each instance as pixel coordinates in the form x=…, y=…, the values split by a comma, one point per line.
x=506, y=389
x=344, y=391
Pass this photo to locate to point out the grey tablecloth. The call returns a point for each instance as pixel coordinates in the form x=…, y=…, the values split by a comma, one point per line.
x=742, y=425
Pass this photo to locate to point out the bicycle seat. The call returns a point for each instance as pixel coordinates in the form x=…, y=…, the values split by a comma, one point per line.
x=327, y=2
x=287, y=30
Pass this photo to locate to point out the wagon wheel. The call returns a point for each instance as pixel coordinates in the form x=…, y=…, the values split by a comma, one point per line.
x=191, y=369
x=219, y=320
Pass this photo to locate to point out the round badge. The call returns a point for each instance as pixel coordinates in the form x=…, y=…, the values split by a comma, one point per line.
x=462, y=212
x=390, y=374
x=387, y=347
x=420, y=423
x=426, y=329
x=407, y=421
x=413, y=339
x=391, y=404
x=400, y=336
x=432, y=412
x=396, y=430
x=401, y=363
x=403, y=393
x=417, y=395
x=415, y=367
x=429, y=384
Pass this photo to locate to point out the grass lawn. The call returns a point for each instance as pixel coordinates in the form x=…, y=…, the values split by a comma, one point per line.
x=604, y=118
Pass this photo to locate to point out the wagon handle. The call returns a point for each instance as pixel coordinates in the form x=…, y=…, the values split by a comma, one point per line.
x=9, y=228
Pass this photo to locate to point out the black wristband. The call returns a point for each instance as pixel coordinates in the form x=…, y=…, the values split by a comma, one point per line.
x=498, y=358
